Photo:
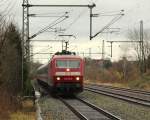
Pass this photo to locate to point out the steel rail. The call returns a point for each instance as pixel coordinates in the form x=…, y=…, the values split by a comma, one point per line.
x=132, y=97
x=104, y=112
x=121, y=97
x=128, y=90
x=125, y=89
x=76, y=112
x=81, y=116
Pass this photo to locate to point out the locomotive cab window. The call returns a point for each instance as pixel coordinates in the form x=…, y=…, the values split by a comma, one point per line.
x=67, y=63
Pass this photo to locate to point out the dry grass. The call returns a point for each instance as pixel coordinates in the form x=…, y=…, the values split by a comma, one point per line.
x=142, y=83
x=11, y=109
x=7, y=105
x=124, y=85
x=22, y=116
x=26, y=113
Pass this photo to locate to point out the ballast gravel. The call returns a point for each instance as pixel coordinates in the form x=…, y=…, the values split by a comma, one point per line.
x=122, y=109
x=53, y=109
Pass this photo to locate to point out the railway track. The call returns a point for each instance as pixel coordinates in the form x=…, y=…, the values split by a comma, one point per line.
x=137, y=97
x=87, y=111
x=82, y=109
x=122, y=89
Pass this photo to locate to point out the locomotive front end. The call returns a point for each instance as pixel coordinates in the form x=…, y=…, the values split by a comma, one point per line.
x=68, y=74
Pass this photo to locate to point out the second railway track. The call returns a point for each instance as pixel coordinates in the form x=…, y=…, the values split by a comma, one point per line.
x=87, y=111
x=121, y=94
x=136, y=91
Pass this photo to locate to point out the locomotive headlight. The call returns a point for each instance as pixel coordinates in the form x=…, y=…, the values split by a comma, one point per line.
x=77, y=78
x=58, y=78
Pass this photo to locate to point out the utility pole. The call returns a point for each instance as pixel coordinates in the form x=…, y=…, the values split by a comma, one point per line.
x=143, y=67
x=111, y=48
x=103, y=50
x=103, y=55
x=90, y=52
x=91, y=15
x=124, y=68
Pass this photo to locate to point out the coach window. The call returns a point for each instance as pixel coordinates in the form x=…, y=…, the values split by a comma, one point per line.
x=61, y=64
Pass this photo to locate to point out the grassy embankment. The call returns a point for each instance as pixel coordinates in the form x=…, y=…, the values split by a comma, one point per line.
x=142, y=83
x=9, y=110
x=26, y=113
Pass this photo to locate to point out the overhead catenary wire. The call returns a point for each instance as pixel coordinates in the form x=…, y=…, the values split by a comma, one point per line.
x=75, y=20
x=54, y=22
x=45, y=49
x=7, y=12
x=6, y=8
x=36, y=15
x=147, y=21
x=9, y=8
x=57, y=21
x=89, y=1
x=4, y=2
x=51, y=26
x=110, y=12
x=129, y=11
x=53, y=13
x=110, y=23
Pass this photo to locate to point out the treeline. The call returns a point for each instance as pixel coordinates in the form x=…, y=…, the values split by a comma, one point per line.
x=10, y=68
x=121, y=71
x=124, y=70
x=14, y=70
x=10, y=58
x=142, y=49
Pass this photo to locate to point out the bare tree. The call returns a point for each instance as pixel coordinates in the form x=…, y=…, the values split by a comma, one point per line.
x=10, y=58
x=134, y=35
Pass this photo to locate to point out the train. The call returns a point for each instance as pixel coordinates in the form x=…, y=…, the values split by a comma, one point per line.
x=63, y=74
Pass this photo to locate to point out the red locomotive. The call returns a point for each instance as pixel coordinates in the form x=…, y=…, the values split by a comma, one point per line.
x=63, y=73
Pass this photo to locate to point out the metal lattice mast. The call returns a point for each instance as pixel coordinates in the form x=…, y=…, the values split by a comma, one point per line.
x=25, y=34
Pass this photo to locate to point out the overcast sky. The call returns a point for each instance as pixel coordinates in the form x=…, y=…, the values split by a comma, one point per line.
x=78, y=23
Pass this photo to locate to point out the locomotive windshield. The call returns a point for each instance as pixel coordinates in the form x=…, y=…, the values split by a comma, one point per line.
x=67, y=63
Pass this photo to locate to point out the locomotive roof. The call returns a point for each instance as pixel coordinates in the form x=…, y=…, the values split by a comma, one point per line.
x=66, y=56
